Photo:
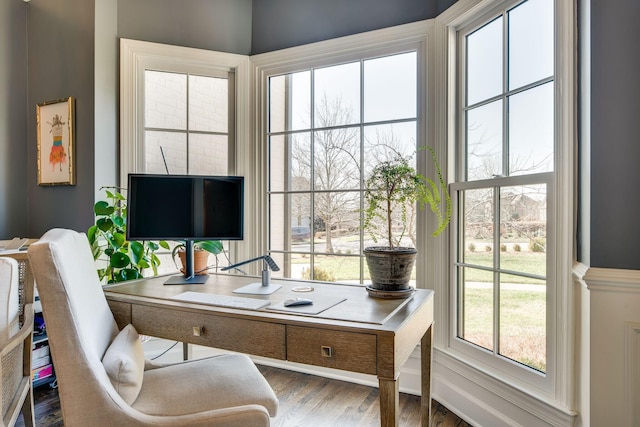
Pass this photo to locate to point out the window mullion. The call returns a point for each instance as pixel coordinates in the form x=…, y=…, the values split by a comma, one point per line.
x=188, y=136
x=362, y=177
x=231, y=124
x=496, y=269
x=505, y=97
x=496, y=189
x=312, y=174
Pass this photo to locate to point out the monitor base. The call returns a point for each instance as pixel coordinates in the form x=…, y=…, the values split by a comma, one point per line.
x=258, y=289
x=183, y=280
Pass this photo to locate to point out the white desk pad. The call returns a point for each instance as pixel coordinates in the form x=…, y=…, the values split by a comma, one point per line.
x=320, y=304
x=222, y=300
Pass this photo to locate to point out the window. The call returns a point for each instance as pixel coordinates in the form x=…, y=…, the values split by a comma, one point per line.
x=505, y=191
x=183, y=113
x=327, y=126
x=178, y=109
x=188, y=123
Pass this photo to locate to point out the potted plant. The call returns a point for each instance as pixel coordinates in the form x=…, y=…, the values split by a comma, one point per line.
x=108, y=236
x=392, y=189
x=201, y=251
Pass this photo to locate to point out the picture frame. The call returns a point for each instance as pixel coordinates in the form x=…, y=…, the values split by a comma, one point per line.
x=56, y=146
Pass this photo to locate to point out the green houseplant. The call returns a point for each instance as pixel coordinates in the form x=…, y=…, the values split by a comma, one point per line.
x=391, y=190
x=108, y=237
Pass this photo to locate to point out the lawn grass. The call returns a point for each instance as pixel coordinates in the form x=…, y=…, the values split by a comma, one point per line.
x=523, y=262
x=522, y=323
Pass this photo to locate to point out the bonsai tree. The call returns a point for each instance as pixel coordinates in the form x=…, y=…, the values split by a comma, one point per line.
x=108, y=236
x=392, y=188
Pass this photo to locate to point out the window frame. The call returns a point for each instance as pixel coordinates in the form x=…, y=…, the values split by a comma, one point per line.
x=360, y=124
x=137, y=56
x=556, y=389
x=378, y=43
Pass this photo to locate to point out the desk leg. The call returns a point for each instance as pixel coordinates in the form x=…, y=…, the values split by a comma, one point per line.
x=426, y=352
x=185, y=351
x=389, y=402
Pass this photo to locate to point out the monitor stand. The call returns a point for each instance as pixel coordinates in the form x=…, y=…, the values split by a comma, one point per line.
x=185, y=280
x=257, y=289
x=189, y=278
x=264, y=288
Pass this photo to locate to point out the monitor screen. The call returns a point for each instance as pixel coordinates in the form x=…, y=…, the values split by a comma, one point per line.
x=185, y=207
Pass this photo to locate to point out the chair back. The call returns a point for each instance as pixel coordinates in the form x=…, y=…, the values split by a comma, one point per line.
x=78, y=321
x=15, y=344
x=9, y=298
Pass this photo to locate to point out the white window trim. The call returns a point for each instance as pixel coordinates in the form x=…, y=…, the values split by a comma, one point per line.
x=455, y=373
x=136, y=57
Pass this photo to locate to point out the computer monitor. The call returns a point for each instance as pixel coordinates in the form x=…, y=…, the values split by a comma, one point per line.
x=185, y=208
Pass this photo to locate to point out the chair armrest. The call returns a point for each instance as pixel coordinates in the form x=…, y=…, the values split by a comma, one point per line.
x=25, y=331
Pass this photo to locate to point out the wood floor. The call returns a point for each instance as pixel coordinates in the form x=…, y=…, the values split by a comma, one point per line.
x=305, y=400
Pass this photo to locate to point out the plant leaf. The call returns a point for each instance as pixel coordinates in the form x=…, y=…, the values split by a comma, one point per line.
x=102, y=208
x=91, y=234
x=119, y=260
x=104, y=224
x=128, y=274
x=137, y=252
x=118, y=240
x=119, y=221
x=213, y=246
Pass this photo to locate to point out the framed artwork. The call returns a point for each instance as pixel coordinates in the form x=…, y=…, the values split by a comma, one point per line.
x=55, y=121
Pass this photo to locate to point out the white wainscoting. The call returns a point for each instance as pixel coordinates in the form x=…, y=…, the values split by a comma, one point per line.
x=614, y=347
x=632, y=368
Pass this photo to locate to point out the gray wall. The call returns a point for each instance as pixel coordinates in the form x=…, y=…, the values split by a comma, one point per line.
x=222, y=25
x=60, y=37
x=615, y=134
x=13, y=119
x=278, y=24
x=64, y=40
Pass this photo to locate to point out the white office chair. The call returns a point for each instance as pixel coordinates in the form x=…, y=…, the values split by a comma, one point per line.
x=15, y=345
x=101, y=371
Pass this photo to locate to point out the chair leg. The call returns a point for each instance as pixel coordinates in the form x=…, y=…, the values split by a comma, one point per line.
x=28, y=413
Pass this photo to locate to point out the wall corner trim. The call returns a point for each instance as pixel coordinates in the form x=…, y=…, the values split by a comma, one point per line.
x=612, y=279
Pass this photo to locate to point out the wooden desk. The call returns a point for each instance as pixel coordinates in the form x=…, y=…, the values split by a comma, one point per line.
x=360, y=334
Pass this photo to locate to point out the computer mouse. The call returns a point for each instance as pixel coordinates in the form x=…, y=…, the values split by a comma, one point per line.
x=297, y=301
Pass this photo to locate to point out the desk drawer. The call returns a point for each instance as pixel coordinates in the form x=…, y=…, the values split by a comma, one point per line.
x=340, y=350
x=229, y=333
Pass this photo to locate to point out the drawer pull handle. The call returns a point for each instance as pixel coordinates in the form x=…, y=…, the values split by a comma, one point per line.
x=326, y=351
x=198, y=331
